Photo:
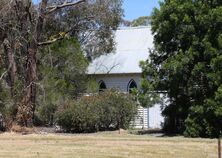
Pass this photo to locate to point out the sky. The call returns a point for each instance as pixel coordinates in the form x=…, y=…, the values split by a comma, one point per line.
x=135, y=8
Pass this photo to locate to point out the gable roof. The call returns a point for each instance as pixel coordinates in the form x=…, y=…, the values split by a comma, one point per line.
x=132, y=46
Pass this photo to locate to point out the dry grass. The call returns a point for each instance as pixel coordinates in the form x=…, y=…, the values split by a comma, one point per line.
x=104, y=145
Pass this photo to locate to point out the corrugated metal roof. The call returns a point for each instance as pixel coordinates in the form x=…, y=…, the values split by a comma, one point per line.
x=132, y=46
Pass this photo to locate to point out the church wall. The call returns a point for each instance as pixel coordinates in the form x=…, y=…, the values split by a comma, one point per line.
x=119, y=81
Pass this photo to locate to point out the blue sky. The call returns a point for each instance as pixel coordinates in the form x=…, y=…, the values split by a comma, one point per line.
x=136, y=8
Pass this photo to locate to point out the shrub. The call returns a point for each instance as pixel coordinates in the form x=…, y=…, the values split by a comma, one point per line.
x=205, y=120
x=78, y=117
x=118, y=109
x=8, y=113
x=45, y=114
x=108, y=110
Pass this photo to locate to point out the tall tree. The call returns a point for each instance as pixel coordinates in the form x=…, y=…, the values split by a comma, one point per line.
x=185, y=64
x=24, y=28
x=62, y=77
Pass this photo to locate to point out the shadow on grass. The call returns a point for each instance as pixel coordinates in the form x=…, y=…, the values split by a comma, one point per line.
x=154, y=132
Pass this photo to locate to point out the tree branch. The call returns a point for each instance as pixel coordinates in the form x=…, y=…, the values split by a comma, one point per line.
x=3, y=74
x=65, y=4
x=50, y=41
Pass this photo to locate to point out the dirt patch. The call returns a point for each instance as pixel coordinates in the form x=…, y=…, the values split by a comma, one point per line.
x=22, y=130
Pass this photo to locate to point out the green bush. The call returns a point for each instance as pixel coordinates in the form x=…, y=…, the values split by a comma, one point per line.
x=78, y=117
x=205, y=120
x=194, y=123
x=108, y=110
x=45, y=114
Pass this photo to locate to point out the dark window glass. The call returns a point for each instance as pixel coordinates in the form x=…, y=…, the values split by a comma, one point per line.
x=102, y=86
x=132, y=84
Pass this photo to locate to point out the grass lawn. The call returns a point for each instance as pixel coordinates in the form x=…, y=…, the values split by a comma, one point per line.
x=104, y=145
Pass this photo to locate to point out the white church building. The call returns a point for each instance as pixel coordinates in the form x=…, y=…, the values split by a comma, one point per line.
x=121, y=70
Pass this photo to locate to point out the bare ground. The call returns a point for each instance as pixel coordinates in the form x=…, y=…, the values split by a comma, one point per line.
x=104, y=145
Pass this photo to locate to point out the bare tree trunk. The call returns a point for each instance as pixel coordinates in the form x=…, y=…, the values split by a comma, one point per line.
x=26, y=107
x=25, y=114
x=11, y=64
x=32, y=75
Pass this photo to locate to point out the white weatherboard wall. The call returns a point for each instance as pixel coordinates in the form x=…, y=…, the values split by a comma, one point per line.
x=155, y=118
x=141, y=121
x=120, y=81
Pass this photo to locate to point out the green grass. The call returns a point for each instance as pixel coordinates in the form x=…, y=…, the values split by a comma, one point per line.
x=104, y=145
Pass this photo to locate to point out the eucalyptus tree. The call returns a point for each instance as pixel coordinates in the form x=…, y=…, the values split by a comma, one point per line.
x=25, y=28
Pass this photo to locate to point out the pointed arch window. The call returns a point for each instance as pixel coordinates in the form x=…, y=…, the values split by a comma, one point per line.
x=102, y=86
x=131, y=85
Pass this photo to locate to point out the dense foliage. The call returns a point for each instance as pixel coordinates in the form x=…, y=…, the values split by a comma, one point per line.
x=30, y=68
x=141, y=21
x=107, y=110
x=186, y=63
x=62, y=76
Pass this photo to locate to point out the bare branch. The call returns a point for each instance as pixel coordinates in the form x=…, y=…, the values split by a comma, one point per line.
x=50, y=41
x=3, y=74
x=65, y=4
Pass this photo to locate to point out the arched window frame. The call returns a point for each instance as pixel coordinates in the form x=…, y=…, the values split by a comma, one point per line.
x=129, y=85
x=104, y=84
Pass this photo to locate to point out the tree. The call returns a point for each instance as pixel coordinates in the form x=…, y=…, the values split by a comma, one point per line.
x=141, y=21
x=186, y=64
x=25, y=28
x=62, y=76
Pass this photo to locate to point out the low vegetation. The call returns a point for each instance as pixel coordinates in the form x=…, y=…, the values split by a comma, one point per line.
x=107, y=110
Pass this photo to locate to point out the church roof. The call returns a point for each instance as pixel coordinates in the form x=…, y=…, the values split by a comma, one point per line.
x=132, y=46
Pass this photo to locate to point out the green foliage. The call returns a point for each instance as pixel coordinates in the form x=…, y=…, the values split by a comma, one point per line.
x=92, y=85
x=7, y=108
x=78, y=117
x=63, y=77
x=60, y=67
x=186, y=63
x=141, y=21
x=46, y=113
x=148, y=97
x=100, y=16
x=105, y=111
x=65, y=66
x=205, y=120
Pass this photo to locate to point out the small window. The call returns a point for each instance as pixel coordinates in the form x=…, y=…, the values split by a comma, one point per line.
x=132, y=84
x=102, y=86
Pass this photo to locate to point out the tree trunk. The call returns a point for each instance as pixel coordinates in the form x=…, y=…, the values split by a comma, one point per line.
x=26, y=108
x=32, y=75
x=11, y=65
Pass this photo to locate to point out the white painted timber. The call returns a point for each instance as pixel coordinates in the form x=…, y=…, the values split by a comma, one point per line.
x=155, y=118
x=119, y=81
